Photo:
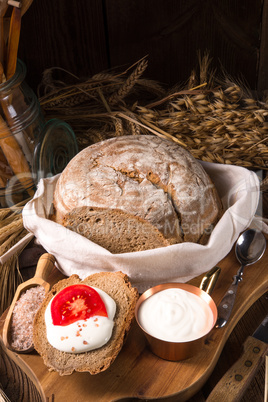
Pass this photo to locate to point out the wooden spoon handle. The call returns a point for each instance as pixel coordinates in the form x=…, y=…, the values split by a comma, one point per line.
x=13, y=42
x=45, y=266
x=2, y=42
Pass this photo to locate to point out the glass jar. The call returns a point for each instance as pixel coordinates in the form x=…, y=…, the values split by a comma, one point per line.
x=30, y=147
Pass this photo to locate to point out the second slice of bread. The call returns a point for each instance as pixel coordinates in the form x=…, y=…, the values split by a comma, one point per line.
x=116, y=285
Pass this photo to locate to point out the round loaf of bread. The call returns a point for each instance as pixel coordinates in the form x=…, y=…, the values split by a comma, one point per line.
x=146, y=176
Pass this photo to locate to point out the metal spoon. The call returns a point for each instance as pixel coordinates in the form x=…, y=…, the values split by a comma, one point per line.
x=249, y=248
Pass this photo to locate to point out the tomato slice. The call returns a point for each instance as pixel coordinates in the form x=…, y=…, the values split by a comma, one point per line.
x=76, y=302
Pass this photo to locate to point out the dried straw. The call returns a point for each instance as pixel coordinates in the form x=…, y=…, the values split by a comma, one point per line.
x=11, y=231
x=216, y=119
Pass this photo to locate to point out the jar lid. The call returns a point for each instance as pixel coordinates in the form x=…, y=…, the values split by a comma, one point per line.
x=55, y=149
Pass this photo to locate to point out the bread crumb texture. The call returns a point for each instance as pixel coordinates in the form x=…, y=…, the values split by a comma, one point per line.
x=115, y=230
x=117, y=286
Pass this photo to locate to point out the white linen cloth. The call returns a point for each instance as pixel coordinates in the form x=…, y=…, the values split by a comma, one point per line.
x=239, y=192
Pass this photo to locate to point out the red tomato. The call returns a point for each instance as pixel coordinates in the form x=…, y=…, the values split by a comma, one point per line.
x=76, y=302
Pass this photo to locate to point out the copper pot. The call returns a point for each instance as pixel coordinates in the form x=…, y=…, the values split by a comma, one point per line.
x=177, y=351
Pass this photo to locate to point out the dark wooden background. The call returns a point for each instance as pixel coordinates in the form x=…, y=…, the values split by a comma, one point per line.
x=88, y=36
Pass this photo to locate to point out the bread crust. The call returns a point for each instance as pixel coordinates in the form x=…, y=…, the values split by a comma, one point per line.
x=116, y=285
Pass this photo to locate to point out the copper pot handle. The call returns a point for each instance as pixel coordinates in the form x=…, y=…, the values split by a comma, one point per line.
x=209, y=280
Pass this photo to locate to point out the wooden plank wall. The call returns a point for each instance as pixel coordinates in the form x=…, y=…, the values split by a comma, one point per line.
x=88, y=36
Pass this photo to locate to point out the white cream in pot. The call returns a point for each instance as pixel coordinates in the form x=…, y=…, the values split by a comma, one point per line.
x=175, y=315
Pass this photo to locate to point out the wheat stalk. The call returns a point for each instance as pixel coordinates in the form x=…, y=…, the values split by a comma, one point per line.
x=217, y=120
x=125, y=89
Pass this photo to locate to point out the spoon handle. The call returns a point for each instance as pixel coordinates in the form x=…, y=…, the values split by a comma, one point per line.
x=45, y=266
x=227, y=302
x=226, y=305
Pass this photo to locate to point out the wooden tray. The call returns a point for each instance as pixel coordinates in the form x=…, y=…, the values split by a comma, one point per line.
x=137, y=373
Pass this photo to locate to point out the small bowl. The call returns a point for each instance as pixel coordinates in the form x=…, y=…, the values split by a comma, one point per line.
x=176, y=351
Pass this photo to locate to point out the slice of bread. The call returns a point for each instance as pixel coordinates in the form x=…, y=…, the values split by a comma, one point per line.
x=116, y=285
x=115, y=230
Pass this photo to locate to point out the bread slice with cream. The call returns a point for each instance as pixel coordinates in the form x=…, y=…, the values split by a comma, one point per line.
x=118, y=287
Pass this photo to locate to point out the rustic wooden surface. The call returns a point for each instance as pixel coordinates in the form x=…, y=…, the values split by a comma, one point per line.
x=86, y=37
x=137, y=373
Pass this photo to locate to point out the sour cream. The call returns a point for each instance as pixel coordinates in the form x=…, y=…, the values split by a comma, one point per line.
x=82, y=335
x=175, y=315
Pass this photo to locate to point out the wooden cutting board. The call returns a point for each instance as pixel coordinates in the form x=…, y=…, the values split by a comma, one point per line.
x=137, y=373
